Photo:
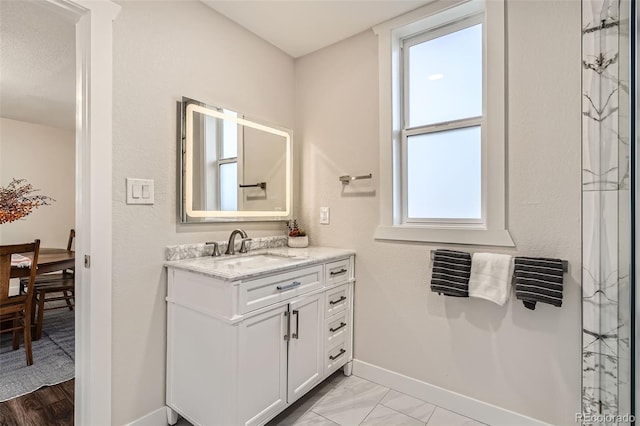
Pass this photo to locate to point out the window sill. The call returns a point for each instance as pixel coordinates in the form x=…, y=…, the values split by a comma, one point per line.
x=479, y=237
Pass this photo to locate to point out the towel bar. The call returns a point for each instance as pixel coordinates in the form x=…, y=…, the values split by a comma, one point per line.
x=347, y=178
x=565, y=264
x=261, y=185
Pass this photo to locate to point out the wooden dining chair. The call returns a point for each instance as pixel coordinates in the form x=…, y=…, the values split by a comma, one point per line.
x=51, y=288
x=15, y=311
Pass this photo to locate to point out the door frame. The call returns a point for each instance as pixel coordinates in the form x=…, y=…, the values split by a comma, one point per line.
x=94, y=79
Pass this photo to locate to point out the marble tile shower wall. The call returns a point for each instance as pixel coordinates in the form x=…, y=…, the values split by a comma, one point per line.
x=605, y=207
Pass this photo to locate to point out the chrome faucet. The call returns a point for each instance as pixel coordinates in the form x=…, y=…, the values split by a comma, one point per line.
x=232, y=239
x=216, y=251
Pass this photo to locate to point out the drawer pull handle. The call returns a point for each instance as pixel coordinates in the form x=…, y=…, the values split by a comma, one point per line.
x=286, y=318
x=341, y=271
x=296, y=335
x=334, y=357
x=288, y=286
x=342, y=324
x=333, y=302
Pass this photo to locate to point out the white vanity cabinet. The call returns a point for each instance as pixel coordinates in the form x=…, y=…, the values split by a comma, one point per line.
x=241, y=347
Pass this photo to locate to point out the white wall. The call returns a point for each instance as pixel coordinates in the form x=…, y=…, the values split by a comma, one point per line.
x=45, y=157
x=164, y=50
x=522, y=360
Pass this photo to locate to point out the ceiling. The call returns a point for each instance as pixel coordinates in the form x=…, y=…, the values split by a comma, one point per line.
x=37, y=47
x=37, y=65
x=299, y=27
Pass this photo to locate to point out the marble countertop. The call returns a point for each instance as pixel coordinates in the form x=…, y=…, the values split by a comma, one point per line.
x=225, y=268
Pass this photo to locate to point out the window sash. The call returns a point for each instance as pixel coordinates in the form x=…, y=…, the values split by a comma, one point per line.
x=444, y=29
x=427, y=35
x=440, y=222
x=406, y=132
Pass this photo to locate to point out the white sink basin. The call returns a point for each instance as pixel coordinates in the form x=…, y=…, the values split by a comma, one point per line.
x=255, y=261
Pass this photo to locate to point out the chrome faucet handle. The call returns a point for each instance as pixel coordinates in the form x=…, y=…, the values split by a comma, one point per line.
x=243, y=245
x=216, y=249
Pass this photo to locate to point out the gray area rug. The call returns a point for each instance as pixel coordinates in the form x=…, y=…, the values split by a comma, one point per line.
x=53, y=357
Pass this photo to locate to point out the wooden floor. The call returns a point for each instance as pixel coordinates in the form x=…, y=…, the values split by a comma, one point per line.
x=50, y=405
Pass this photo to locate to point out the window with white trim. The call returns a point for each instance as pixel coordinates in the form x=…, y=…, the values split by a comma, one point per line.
x=442, y=124
x=442, y=141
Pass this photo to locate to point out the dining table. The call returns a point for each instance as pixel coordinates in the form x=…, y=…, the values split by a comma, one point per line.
x=49, y=260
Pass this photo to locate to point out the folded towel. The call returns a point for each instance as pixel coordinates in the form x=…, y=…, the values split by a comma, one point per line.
x=490, y=276
x=20, y=261
x=539, y=280
x=450, y=274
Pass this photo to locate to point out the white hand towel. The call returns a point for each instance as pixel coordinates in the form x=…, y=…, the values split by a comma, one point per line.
x=491, y=276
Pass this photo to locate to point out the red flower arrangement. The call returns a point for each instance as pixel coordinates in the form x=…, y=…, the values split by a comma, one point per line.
x=17, y=201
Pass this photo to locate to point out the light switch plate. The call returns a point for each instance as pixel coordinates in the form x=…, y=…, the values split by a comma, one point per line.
x=139, y=191
x=324, y=215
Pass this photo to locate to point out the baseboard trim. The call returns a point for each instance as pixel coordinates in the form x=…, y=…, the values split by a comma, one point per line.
x=461, y=404
x=154, y=418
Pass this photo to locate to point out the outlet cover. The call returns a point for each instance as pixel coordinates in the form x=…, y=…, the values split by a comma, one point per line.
x=324, y=215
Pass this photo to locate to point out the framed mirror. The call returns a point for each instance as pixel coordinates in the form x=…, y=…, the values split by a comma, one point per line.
x=232, y=168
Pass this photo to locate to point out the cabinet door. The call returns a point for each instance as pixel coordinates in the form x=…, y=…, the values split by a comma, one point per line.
x=305, y=346
x=262, y=366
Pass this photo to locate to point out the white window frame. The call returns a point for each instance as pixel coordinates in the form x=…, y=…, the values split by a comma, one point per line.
x=493, y=228
x=407, y=131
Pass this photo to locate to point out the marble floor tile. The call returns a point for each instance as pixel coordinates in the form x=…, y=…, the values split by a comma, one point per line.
x=311, y=419
x=408, y=405
x=442, y=417
x=350, y=401
x=302, y=406
x=384, y=416
x=353, y=401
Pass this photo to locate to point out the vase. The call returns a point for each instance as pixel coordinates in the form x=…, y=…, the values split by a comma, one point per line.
x=298, y=242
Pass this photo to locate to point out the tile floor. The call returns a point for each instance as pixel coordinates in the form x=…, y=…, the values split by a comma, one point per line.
x=353, y=401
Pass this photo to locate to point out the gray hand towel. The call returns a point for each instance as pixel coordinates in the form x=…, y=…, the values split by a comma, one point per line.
x=538, y=280
x=451, y=271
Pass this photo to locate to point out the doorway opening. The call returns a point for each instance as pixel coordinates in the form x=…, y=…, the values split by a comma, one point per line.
x=92, y=21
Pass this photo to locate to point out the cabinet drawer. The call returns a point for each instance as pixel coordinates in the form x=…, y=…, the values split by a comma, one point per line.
x=336, y=357
x=337, y=300
x=262, y=292
x=338, y=272
x=336, y=328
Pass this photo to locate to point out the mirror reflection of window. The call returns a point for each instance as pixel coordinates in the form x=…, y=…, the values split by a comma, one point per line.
x=230, y=137
x=221, y=158
x=211, y=161
x=229, y=186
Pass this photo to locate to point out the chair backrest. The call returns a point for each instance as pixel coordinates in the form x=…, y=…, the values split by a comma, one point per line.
x=5, y=270
x=72, y=235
